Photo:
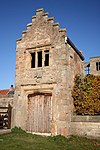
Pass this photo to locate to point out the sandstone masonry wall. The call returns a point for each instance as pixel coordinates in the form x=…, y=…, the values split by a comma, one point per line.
x=93, y=69
x=57, y=78
x=88, y=126
x=6, y=100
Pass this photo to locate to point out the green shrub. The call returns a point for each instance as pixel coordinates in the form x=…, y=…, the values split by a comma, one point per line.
x=86, y=95
x=17, y=130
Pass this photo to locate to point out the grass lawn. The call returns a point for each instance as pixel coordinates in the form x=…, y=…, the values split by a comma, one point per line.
x=19, y=140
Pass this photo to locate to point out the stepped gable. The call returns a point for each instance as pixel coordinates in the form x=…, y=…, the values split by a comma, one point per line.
x=35, y=30
x=35, y=35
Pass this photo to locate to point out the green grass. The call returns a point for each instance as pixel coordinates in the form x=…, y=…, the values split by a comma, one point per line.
x=19, y=140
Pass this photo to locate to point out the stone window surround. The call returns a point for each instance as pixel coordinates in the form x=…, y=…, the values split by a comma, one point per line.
x=36, y=50
x=97, y=66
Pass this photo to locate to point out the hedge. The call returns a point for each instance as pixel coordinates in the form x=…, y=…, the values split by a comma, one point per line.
x=86, y=95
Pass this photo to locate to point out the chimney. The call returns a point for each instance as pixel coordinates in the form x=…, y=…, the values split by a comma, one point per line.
x=11, y=88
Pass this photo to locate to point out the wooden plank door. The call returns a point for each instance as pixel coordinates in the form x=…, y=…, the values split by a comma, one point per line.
x=39, y=113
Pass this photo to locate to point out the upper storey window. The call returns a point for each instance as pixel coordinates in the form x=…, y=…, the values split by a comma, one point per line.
x=97, y=66
x=46, y=62
x=33, y=60
x=40, y=59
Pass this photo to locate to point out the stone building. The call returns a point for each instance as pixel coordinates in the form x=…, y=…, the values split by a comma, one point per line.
x=46, y=64
x=92, y=67
x=7, y=97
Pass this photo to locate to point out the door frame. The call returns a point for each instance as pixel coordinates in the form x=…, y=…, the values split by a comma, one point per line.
x=42, y=88
x=30, y=112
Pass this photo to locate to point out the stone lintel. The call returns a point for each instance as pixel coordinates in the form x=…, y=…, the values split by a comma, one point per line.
x=38, y=46
x=32, y=84
x=42, y=88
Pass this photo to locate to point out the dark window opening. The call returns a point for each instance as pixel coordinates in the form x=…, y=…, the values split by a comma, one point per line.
x=40, y=59
x=46, y=62
x=97, y=66
x=33, y=60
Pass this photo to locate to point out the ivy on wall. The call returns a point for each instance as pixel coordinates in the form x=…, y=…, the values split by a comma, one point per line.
x=86, y=95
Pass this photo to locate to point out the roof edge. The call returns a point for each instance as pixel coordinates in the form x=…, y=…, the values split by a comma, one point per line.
x=76, y=50
x=95, y=57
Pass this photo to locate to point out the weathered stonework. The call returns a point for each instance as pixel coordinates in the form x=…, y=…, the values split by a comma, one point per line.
x=57, y=79
x=6, y=100
x=93, y=67
x=88, y=126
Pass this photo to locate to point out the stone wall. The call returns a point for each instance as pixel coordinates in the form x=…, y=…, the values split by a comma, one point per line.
x=57, y=78
x=93, y=66
x=6, y=100
x=88, y=126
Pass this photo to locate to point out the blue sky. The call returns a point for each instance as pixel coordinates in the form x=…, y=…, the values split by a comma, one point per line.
x=81, y=18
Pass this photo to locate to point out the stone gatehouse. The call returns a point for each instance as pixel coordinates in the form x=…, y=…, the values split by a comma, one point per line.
x=46, y=64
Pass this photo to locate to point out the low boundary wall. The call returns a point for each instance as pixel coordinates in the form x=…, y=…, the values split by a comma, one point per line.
x=88, y=126
x=6, y=100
